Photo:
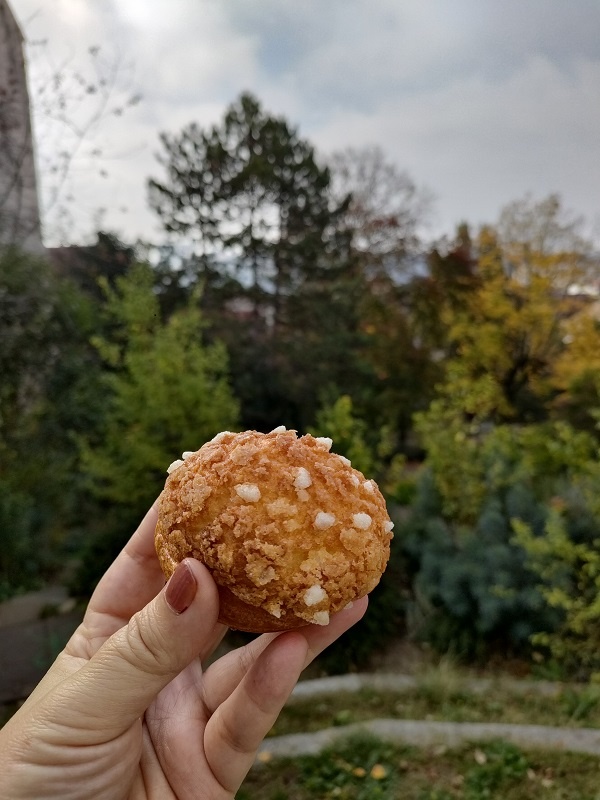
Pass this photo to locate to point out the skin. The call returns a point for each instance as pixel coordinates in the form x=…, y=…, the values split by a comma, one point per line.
x=127, y=710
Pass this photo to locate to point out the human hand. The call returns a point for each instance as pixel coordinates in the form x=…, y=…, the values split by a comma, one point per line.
x=127, y=710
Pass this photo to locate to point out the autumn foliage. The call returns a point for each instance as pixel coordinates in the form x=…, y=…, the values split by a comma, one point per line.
x=464, y=374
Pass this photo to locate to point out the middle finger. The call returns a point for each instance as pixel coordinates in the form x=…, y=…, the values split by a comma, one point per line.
x=222, y=677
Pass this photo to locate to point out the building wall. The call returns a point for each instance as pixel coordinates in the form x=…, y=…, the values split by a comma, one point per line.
x=19, y=208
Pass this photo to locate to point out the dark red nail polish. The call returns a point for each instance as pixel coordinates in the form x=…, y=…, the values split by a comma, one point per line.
x=181, y=588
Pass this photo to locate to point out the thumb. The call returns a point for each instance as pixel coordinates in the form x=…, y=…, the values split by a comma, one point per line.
x=121, y=680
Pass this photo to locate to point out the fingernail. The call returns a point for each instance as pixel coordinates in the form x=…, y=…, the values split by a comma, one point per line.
x=181, y=588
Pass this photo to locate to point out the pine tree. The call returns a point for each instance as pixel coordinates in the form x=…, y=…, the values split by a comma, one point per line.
x=279, y=283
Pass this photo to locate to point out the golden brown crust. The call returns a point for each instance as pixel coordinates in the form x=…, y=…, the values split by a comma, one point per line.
x=289, y=531
x=234, y=613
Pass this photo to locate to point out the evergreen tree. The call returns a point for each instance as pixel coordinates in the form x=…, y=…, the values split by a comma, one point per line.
x=166, y=392
x=279, y=283
x=250, y=196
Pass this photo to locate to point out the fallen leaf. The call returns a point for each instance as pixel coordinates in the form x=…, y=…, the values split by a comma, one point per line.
x=378, y=772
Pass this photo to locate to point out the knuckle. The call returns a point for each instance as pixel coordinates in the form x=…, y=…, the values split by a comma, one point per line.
x=234, y=738
x=145, y=645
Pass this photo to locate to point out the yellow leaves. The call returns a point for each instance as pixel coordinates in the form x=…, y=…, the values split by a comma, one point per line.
x=546, y=778
x=581, y=349
x=378, y=772
x=570, y=582
x=518, y=326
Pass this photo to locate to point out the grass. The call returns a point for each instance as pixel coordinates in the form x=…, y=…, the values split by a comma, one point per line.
x=443, y=694
x=570, y=708
x=366, y=768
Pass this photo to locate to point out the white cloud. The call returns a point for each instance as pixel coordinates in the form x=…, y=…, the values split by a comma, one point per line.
x=479, y=100
x=480, y=144
x=185, y=53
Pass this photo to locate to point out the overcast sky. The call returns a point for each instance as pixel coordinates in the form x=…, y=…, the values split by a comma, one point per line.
x=480, y=101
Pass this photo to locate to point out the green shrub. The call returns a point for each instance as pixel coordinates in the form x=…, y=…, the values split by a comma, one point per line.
x=403, y=491
x=48, y=394
x=473, y=588
x=466, y=607
x=19, y=559
x=476, y=585
x=166, y=391
x=349, y=433
x=569, y=576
